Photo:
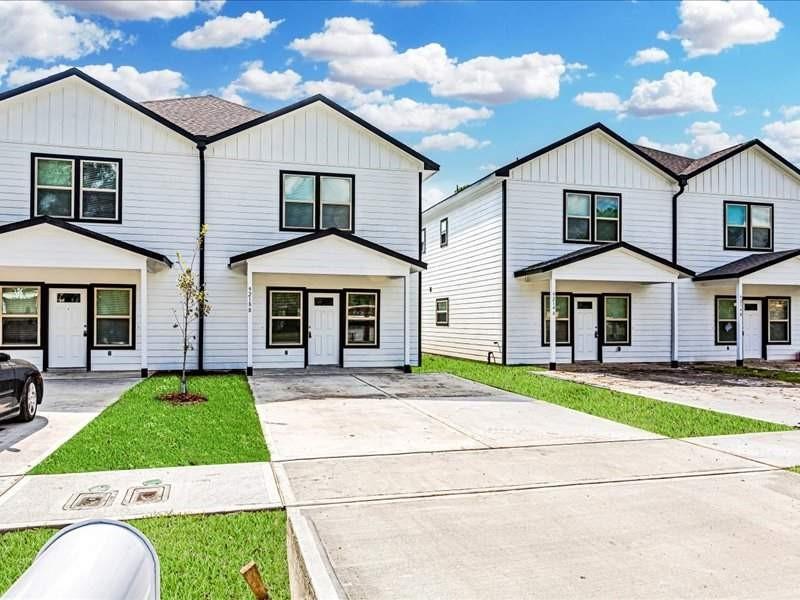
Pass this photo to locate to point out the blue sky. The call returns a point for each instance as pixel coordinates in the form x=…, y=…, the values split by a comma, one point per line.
x=471, y=84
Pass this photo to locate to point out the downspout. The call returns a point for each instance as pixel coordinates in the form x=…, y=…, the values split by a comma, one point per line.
x=681, y=188
x=201, y=150
x=504, y=262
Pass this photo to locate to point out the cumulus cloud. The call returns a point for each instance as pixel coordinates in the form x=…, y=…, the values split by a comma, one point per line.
x=406, y=114
x=706, y=137
x=713, y=26
x=136, y=10
x=784, y=137
x=788, y=112
x=648, y=56
x=344, y=93
x=227, y=32
x=431, y=194
x=144, y=85
x=739, y=111
x=45, y=32
x=281, y=85
x=455, y=140
x=600, y=101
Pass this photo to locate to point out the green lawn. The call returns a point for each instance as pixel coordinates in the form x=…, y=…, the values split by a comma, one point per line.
x=664, y=418
x=140, y=431
x=200, y=555
x=785, y=376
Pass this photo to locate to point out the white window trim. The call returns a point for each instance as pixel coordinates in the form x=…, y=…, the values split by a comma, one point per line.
x=767, y=227
x=71, y=188
x=128, y=317
x=716, y=325
x=104, y=190
x=37, y=316
x=299, y=318
x=586, y=218
x=787, y=320
x=361, y=319
x=312, y=202
x=626, y=319
x=444, y=232
x=445, y=312
x=349, y=204
x=596, y=218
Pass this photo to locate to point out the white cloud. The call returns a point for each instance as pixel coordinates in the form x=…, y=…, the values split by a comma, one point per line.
x=343, y=38
x=682, y=148
x=789, y=112
x=406, y=114
x=431, y=194
x=227, y=32
x=784, y=137
x=45, y=32
x=706, y=137
x=599, y=101
x=739, y=111
x=137, y=10
x=146, y=85
x=766, y=113
x=649, y=55
x=488, y=167
x=344, y=93
x=446, y=142
x=713, y=26
x=281, y=85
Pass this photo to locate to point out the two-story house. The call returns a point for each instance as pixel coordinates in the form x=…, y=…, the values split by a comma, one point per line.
x=596, y=249
x=312, y=255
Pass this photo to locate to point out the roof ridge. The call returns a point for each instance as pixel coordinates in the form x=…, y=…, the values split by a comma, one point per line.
x=664, y=151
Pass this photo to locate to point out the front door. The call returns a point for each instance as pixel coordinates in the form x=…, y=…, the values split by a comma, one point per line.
x=752, y=329
x=585, y=310
x=323, y=328
x=67, y=328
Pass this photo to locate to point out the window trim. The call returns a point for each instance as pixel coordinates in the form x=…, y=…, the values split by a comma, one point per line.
x=92, y=309
x=317, y=202
x=77, y=186
x=436, y=312
x=40, y=309
x=592, y=217
x=302, y=318
x=35, y=185
x=546, y=318
x=444, y=238
x=748, y=227
x=629, y=319
x=346, y=318
x=768, y=321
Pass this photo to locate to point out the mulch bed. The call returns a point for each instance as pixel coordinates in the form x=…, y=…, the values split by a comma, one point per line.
x=181, y=398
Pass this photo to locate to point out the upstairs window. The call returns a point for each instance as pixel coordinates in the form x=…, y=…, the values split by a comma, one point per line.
x=748, y=226
x=336, y=197
x=423, y=241
x=443, y=233
x=76, y=188
x=315, y=201
x=592, y=217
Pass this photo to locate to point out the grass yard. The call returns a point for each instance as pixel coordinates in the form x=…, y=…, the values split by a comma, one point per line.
x=664, y=418
x=140, y=431
x=200, y=555
x=775, y=374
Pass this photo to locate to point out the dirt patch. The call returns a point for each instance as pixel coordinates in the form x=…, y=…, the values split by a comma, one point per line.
x=183, y=398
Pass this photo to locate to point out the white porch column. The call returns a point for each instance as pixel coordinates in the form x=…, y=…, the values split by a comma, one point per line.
x=675, y=323
x=739, y=323
x=249, y=319
x=406, y=323
x=143, y=319
x=553, y=322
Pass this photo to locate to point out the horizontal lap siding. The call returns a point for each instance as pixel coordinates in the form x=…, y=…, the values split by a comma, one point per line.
x=468, y=272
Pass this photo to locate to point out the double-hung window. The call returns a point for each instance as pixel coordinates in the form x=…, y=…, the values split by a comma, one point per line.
x=76, y=188
x=592, y=217
x=617, y=320
x=362, y=318
x=423, y=240
x=778, y=321
x=314, y=201
x=285, y=310
x=726, y=321
x=19, y=316
x=442, y=312
x=563, y=324
x=748, y=226
x=113, y=317
x=443, y=233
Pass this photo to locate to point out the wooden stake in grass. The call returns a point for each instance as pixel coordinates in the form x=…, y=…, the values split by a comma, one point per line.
x=253, y=579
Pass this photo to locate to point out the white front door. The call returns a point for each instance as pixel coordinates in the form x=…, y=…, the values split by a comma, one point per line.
x=67, y=328
x=752, y=329
x=585, y=311
x=323, y=328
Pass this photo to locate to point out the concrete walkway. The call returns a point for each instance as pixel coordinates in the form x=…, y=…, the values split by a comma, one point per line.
x=778, y=449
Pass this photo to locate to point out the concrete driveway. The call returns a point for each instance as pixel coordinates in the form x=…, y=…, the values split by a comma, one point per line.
x=410, y=486
x=70, y=403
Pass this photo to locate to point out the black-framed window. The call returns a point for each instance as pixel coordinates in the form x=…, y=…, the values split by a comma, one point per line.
x=779, y=321
x=20, y=316
x=285, y=318
x=725, y=326
x=563, y=319
x=443, y=233
x=748, y=226
x=442, y=312
x=423, y=240
x=617, y=319
x=113, y=317
x=314, y=201
x=76, y=188
x=363, y=315
x=592, y=217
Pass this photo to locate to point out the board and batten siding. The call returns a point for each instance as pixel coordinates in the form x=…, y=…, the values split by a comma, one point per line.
x=160, y=188
x=468, y=271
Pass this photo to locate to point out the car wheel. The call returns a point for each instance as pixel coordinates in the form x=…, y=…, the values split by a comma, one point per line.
x=29, y=401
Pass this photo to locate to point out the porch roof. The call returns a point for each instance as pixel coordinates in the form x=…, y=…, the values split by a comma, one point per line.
x=623, y=252
x=754, y=264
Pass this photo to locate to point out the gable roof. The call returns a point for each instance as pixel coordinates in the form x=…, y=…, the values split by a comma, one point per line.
x=203, y=115
x=674, y=162
x=747, y=265
x=65, y=225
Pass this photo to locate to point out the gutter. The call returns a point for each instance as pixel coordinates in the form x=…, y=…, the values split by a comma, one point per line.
x=201, y=151
x=681, y=189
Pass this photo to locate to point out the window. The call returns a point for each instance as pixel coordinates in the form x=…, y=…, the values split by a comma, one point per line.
x=443, y=312
x=778, y=323
x=285, y=312
x=617, y=320
x=362, y=318
x=726, y=321
x=443, y=233
x=76, y=188
x=314, y=201
x=423, y=240
x=748, y=226
x=19, y=316
x=113, y=317
x=592, y=217
x=562, y=319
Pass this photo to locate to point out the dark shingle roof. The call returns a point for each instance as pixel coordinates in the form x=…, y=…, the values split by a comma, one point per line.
x=203, y=115
x=748, y=264
x=685, y=166
x=674, y=162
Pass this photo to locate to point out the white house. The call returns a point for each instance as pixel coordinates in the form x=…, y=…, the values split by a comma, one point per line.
x=596, y=249
x=312, y=255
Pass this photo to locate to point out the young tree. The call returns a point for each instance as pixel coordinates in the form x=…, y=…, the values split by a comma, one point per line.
x=193, y=303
